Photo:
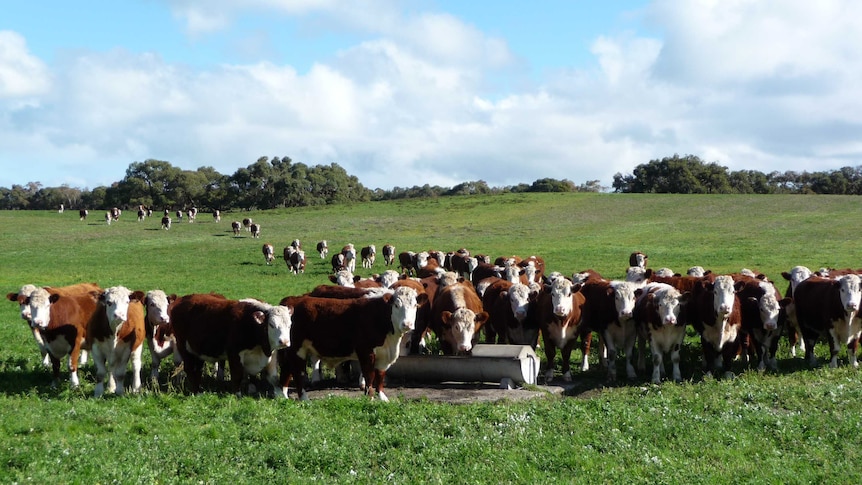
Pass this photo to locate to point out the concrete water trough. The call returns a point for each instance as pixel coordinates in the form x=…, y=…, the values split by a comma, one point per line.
x=509, y=365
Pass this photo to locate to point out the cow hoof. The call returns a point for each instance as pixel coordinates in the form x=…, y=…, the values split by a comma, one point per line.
x=567, y=377
x=549, y=376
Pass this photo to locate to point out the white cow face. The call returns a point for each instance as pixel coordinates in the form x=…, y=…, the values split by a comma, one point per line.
x=389, y=278
x=624, y=299
x=561, y=291
x=519, y=299
x=461, y=327
x=278, y=321
x=40, y=307
x=157, y=303
x=21, y=298
x=512, y=274
x=696, y=271
x=723, y=294
x=344, y=278
x=422, y=259
x=636, y=274
x=405, y=302
x=770, y=306
x=116, y=301
x=850, y=291
x=669, y=303
x=797, y=275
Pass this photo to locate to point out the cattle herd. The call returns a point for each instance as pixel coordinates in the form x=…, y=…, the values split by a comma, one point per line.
x=451, y=299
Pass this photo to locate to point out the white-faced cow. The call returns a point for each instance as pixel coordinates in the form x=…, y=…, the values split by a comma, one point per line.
x=367, y=329
x=245, y=332
x=115, y=335
x=246, y=223
x=796, y=275
x=763, y=318
x=159, y=331
x=216, y=215
x=715, y=314
x=83, y=213
x=457, y=315
x=559, y=307
x=255, y=230
x=827, y=307
x=660, y=317
x=236, y=226
x=368, y=255
x=608, y=311
x=638, y=259
x=268, y=253
x=295, y=259
x=349, y=253
x=322, y=249
x=388, y=254
x=508, y=306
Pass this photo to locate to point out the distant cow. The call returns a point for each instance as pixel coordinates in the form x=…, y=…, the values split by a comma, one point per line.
x=349, y=252
x=236, y=226
x=246, y=223
x=366, y=329
x=166, y=222
x=159, y=332
x=179, y=215
x=407, y=262
x=827, y=307
x=247, y=332
x=255, y=230
x=83, y=213
x=638, y=259
x=295, y=244
x=295, y=259
x=115, y=334
x=142, y=214
x=388, y=255
x=115, y=213
x=268, y=253
x=216, y=215
x=322, y=249
x=339, y=263
x=368, y=254
x=192, y=214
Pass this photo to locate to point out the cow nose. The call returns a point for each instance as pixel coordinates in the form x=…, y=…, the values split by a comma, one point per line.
x=671, y=320
x=724, y=308
x=465, y=347
x=625, y=314
x=770, y=326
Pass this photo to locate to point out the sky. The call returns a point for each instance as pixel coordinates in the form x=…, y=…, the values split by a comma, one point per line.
x=404, y=93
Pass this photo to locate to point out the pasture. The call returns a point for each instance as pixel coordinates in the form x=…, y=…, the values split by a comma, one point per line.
x=797, y=426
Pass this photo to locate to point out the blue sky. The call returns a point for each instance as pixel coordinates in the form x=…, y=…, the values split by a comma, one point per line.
x=404, y=93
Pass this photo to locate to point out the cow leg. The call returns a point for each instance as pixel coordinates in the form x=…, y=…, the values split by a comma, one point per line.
x=586, y=341
x=194, y=368
x=629, y=348
x=156, y=359
x=101, y=371
x=674, y=358
x=657, y=363
x=379, y=377
x=729, y=352
x=316, y=373
x=851, y=351
x=611, y=359
x=294, y=365
x=237, y=373
x=550, y=357
x=118, y=371
x=136, y=368
x=566, y=355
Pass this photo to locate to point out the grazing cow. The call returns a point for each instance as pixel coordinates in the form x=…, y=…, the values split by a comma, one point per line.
x=166, y=222
x=255, y=230
x=366, y=329
x=715, y=314
x=368, y=254
x=216, y=215
x=829, y=308
x=246, y=223
x=62, y=318
x=268, y=253
x=236, y=226
x=608, y=311
x=762, y=311
x=83, y=213
x=295, y=259
x=457, y=314
x=388, y=255
x=660, y=317
x=508, y=305
x=559, y=308
x=115, y=334
x=246, y=332
x=322, y=249
x=159, y=332
x=349, y=253
x=796, y=275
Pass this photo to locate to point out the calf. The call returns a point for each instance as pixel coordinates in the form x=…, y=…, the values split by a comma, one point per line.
x=368, y=254
x=236, y=226
x=62, y=319
x=829, y=308
x=715, y=314
x=763, y=315
x=245, y=332
x=268, y=253
x=159, y=332
x=508, y=305
x=388, y=254
x=660, y=318
x=559, y=309
x=365, y=329
x=114, y=335
x=456, y=317
x=322, y=249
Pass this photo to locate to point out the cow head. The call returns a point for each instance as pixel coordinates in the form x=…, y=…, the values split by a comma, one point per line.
x=624, y=299
x=405, y=302
x=157, y=303
x=21, y=298
x=278, y=322
x=669, y=302
x=561, y=291
x=796, y=275
x=422, y=259
x=849, y=289
x=723, y=294
x=388, y=278
x=116, y=300
x=461, y=326
x=344, y=278
x=40, y=307
x=770, y=306
x=520, y=296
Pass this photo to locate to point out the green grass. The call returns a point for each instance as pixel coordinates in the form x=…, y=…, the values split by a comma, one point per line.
x=801, y=425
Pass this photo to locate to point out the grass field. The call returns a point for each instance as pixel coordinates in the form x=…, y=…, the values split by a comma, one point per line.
x=799, y=426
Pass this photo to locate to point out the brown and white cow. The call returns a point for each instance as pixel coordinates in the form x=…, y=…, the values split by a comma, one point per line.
x=508, y=306
x=268, y=253
x=255, y=230
x=83, y=213
x=366, y=329
x=796, y=275
x=115, y=335
x=142, y=214
x=559, y=307
x=62, y=318
x=388, y=254
x=216, y=215
x=407, y=262
x=349, y=253
x=322, y=249
x=236, y=226
x=295, y=259
x=159, y=332
x=166, y=222
x=715, y=315
x=368, y=255
x=245, y=332
x=660, y=318
x=763, y=317
x=192, y=214
x=246, y=223
x=638, y=259
x=457, y=315
x=608, y=311
x=827, y=307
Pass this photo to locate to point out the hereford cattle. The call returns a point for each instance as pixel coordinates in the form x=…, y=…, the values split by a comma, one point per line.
x=255, y=230
x=533, y=269
x=388, y=254
x=295, y=259
x=763, y=316
x=142, y=214
x=246, y=223
x=236, y=226
x=608, y=310
x=192, y=214
x=115, y=213
x=508, y=305
x=660, y=318
x=715, y=314
x=796, y=275
x=365, y=329
x=62, y=318
x=115, y=335
x=268, y=253
x=159, y=332
x=638, y=259
x=368, y=254
x=407, y=262
x=166, y=222
x=483, y=271
x=245, y=332
x=108, y=218
x=83, y=213
x=430, y=267
x=216, y=215
x=322, y=249
x=349, y=253
x=463, y=265
x=457, y=315
x=179, y=215
x=559, y=308
x=827, y=307
x=339, y=263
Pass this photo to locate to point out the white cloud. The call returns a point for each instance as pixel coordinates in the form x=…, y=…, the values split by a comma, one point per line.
x=21, y=74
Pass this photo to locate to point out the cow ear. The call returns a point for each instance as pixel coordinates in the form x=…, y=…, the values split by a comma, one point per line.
x=53, y=298
x=648, y=273
x=172, y=297
x=421, y=298
x=481, y=318
x=576, y=287
x=259, y=317
x=639, y=292
x=12, y=296
x=137, y=295
x=333, y=279
x=738, y=286
x=683, y=299
x=446, y=317
x=784, y=302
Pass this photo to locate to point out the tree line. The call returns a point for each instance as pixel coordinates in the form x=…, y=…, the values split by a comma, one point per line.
x=691, y=175
x=281, y=182
x=265, y=184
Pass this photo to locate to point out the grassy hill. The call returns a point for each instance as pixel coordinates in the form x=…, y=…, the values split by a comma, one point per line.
x=800, y=425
